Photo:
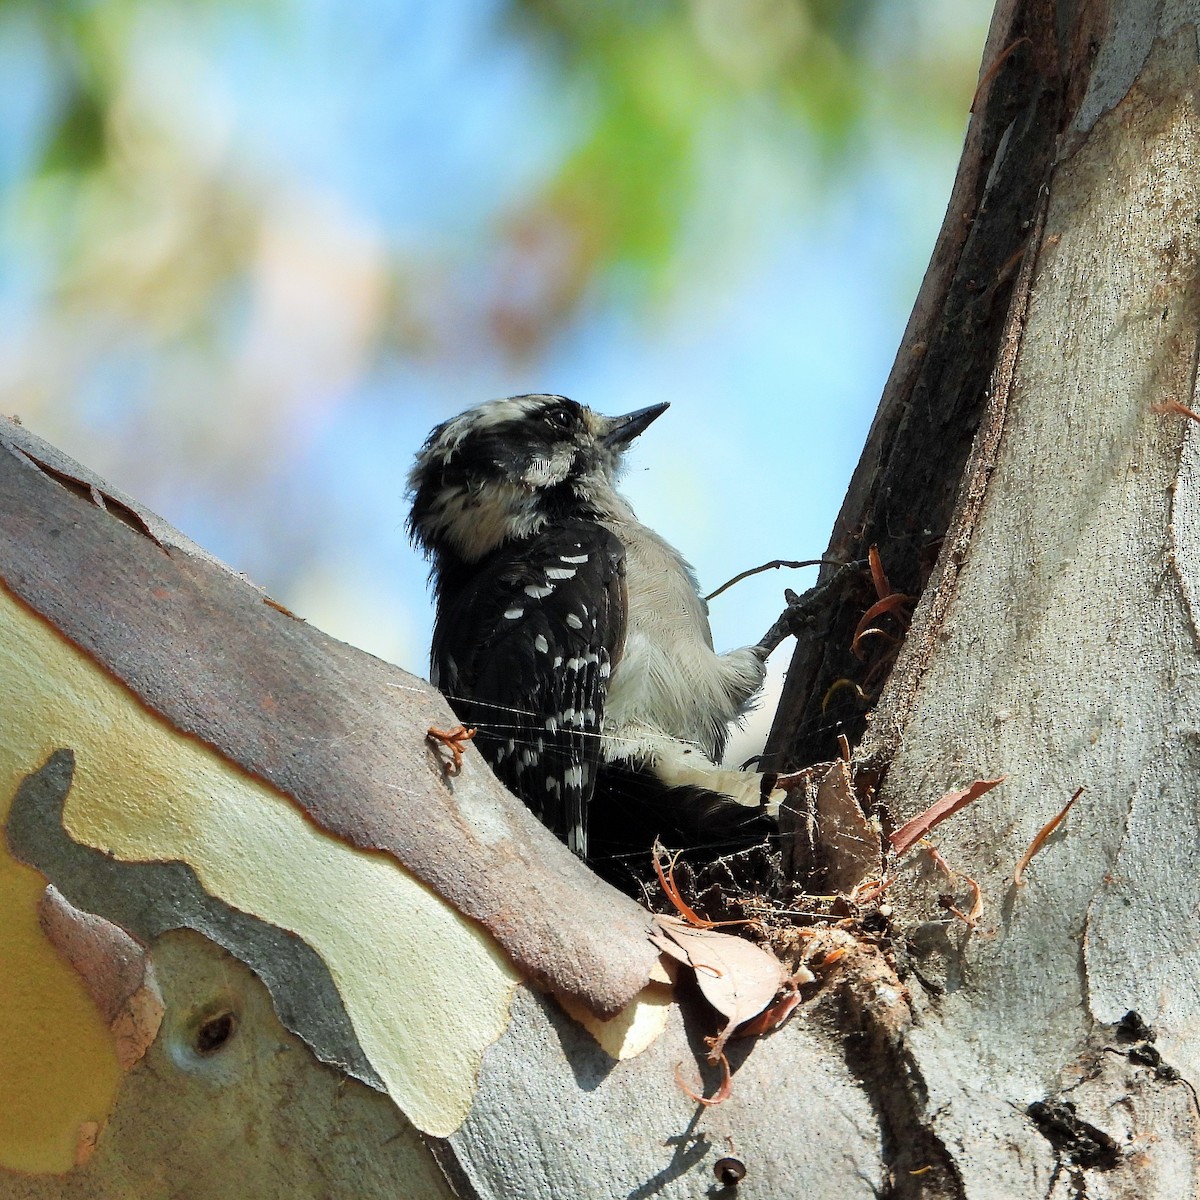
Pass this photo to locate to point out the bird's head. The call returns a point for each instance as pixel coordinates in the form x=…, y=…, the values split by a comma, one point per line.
x=503, y=469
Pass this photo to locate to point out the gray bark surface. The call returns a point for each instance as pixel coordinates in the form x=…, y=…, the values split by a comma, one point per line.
x=1067, y=658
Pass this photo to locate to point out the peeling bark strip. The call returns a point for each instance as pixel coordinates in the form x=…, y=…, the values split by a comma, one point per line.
x=939, y=811
x=148, y=899
x=198, y=646
x=888, y=721
x=115, y=970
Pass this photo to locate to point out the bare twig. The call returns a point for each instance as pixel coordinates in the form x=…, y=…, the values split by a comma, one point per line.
x=772, y=566
x=801, y=609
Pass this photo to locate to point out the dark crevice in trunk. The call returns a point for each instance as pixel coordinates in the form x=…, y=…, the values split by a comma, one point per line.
x=903, y=493
x=918, y=1165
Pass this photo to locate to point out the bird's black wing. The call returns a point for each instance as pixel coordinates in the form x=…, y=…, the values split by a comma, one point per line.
x=523, y=647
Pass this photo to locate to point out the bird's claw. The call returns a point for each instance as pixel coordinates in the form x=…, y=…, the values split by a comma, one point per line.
x=454, y=740
x=801, y=610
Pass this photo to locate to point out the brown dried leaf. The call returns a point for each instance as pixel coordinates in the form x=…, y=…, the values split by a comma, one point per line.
x=878, y=609
x=912, y=831
x=1039, y=839
x=938, y=861
x=1173, y=406
x=837, y=686
x=976, y=901
x=738, y=978
x=664, y=943
x=878, y=577
x=849, y=842
x=772, y=1018
x=869, y=891
x=281, y=608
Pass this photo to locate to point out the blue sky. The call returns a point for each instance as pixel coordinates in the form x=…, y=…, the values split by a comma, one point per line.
x=373, y=133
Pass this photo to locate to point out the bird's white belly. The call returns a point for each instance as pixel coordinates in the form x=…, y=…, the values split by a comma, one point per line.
x=669, y=681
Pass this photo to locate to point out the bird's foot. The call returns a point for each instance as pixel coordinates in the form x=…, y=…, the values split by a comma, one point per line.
x=454, y=740
x=801, y=611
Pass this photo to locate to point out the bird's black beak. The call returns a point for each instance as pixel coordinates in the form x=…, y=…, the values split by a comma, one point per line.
x=622, y=430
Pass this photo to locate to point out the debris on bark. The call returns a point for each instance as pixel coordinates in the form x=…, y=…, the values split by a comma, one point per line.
x=1040, y=839
x=912, y=831
x=454, y=740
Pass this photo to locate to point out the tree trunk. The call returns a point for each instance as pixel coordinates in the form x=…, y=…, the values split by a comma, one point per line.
x=287, y=953
x=1055, y=641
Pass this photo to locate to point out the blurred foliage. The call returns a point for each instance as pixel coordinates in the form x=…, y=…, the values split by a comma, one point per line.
x=87, y=43
x=252, y=247
x=650, y=78
x=133, y=225
x=656, y=73
x=659, y=73
x=83, y=43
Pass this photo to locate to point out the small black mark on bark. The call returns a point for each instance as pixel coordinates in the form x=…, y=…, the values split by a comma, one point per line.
x=1133, y=1028
x=1075, y=1139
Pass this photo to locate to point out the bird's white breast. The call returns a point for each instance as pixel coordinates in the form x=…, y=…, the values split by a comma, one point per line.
x=669, y=679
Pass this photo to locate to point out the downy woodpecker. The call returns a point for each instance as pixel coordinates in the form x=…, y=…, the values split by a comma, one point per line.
x=573, y=638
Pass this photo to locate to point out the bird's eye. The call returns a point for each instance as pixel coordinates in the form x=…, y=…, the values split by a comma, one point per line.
x=558, y=418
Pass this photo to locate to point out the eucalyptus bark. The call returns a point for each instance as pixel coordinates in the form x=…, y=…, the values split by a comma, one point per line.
x=1056, y=636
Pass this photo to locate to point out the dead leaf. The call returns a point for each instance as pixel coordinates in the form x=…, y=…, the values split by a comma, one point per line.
x=970, y=918
x=938, y=861
x=1039, y=839
x=879, y=578
x=878, y=609
x=837, y=686
x=976, y=902
x=738, y=978
x=281, y=608
x=824, y=828
x=772, y=1018
x=1173, y=406
x=673, y=949
x=912, y=831
x=850, y=843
